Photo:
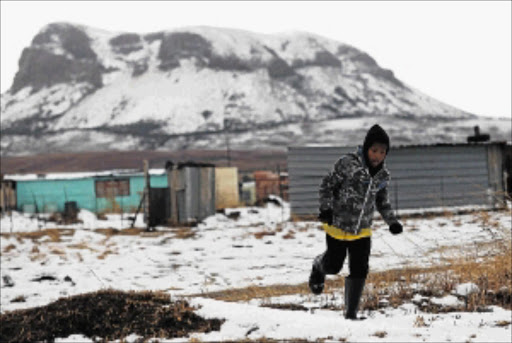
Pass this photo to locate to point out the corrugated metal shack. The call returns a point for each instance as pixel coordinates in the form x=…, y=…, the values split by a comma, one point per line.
x=192, y=191
x=421, y=176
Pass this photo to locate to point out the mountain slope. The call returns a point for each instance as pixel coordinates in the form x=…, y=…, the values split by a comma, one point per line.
x=191, y=87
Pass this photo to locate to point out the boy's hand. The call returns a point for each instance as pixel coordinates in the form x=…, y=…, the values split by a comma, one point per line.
x=325, y=216
x=396, y=228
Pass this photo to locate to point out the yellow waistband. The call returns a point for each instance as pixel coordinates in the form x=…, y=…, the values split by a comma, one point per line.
x=334, y=232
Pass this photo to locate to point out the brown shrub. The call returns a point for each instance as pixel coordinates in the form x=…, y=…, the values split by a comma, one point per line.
x=107, y=315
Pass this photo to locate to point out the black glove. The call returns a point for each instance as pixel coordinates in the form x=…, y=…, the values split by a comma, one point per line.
x=396, y=228
x=325, y=216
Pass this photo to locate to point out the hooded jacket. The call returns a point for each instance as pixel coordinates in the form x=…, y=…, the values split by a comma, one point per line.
x=352, y=193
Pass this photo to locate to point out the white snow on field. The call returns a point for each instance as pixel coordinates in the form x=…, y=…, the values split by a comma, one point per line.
x=259, y=248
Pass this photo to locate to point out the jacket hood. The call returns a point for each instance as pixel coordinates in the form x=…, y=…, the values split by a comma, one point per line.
x=376, y=134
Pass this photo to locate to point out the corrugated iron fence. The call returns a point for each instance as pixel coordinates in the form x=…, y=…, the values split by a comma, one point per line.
x=421, y=176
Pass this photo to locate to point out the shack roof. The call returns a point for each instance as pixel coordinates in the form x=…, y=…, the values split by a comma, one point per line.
x=82, y=175
x=405, y=146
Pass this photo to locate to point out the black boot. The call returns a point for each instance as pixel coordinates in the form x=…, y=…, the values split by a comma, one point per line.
x=353, y=290
x=317, y=276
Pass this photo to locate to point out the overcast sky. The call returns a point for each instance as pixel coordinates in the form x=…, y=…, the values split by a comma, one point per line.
x=458, y=52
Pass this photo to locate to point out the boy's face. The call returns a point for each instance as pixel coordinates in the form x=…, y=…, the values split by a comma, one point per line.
x=377, y=154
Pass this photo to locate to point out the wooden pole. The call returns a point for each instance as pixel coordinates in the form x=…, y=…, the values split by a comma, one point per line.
x=174, y=198
x=3, y=190
x=3, y=200
x=147, y=202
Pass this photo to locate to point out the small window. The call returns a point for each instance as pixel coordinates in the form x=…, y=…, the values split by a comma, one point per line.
x=112, y=188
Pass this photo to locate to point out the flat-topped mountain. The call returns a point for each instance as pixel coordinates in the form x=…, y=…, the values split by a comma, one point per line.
x=82, y=89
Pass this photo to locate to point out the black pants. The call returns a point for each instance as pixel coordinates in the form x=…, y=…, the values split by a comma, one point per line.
x=358, y=256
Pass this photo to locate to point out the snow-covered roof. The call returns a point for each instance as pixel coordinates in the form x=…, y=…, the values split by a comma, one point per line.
x=81, y=175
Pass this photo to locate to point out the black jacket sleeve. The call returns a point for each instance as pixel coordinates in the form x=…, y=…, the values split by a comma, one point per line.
x=384, y=206
x=330, y=183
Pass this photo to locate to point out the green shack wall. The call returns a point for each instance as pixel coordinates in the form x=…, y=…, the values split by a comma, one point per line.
x=51, y=195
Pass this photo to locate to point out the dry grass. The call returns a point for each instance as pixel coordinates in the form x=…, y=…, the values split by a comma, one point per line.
x=503, y=323
x=101, y=216
x=278, y=229
x=380, y=334
x=9, y=248
x=19, y=299
x=290, y=307
x=289, y=235
x=493, y=276
x=420, y=322
x=261, y=234
x=255, y=292
x=486, y=221
x=54, y=234
x=184, y=233
x=37, y=256
x=81, y=246
x=57, y=251
x=272, y=340
x=106, y=253
x=109, y=232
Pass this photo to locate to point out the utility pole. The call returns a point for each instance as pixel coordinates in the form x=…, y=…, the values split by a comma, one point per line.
x=227, y=125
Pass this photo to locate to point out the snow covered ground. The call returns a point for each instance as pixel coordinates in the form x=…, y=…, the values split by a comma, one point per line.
x=260, y=247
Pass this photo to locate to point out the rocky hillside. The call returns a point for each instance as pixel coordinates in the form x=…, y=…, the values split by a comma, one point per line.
x=83, y=89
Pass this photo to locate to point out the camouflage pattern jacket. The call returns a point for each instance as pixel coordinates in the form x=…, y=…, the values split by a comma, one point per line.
x=352, y=194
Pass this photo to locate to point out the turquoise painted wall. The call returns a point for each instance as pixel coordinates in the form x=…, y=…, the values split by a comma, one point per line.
x=50, y=195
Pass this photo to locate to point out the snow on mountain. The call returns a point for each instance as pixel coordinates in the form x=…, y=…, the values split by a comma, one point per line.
x=188, y=87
